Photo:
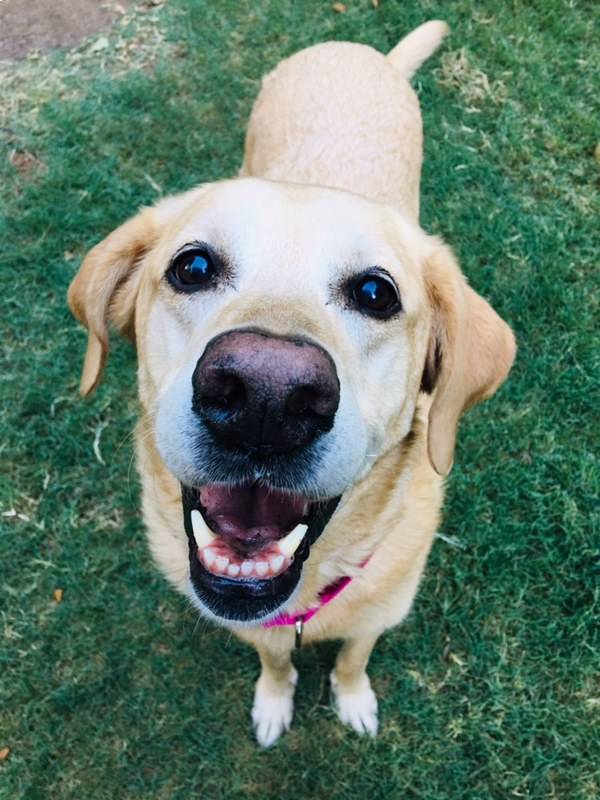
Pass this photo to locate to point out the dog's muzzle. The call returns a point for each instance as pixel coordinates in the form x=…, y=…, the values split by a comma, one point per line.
x=265, y=401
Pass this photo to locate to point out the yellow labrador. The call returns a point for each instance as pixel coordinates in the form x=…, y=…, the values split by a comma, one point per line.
x=305, y=353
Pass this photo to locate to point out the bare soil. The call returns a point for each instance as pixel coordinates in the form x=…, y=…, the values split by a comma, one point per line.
x=27, y=25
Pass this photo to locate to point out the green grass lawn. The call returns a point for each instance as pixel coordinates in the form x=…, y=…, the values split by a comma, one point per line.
x=490, y=689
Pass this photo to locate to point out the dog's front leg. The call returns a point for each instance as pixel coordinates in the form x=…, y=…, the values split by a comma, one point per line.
x=274, y=694
x=354, y=700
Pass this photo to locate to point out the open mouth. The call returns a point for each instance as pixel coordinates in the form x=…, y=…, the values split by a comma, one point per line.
x=247, y=545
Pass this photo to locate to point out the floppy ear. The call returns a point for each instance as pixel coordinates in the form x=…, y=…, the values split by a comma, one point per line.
x=105, y=288
x=470, y=353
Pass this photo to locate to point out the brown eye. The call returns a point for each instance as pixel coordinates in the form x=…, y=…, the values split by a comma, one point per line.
x=192, y=270
x=376, y=294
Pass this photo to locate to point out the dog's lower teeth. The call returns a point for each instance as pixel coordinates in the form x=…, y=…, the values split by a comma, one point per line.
x=210, y=552
x=203, y=535
x=277, y=563
x=290, y=543
x=222, y=563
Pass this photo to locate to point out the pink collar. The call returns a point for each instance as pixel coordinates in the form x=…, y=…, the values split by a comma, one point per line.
x=326, y=596
x=329, y=593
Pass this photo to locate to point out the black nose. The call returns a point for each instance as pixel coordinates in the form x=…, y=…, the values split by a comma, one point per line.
x=264, y=393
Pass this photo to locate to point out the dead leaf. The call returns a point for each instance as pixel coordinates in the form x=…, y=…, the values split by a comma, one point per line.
x=58, y=595
x=340, y=8
x=100, y=44
x=24, y=162
x=4, y=753
x=375, y=3
x=417, y=678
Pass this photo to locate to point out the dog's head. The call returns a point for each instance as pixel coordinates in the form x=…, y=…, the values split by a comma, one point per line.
x=284, y=334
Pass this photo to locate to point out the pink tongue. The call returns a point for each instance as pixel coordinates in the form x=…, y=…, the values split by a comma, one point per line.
x=252, y=514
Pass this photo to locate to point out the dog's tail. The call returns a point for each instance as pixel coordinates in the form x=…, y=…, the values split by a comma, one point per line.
x=414, y=49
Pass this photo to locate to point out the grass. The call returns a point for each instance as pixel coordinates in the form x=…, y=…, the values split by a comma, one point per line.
x=490, y=689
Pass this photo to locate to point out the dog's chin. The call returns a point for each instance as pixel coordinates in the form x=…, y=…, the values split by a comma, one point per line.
x=247, y=547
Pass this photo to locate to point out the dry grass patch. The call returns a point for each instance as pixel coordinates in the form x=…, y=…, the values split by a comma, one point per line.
x=458, y=71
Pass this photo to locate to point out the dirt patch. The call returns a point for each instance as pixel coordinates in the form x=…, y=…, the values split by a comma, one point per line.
x=27, y=25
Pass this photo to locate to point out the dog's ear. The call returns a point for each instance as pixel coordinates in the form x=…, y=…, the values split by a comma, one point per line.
x=470, y=353
x=105, y=289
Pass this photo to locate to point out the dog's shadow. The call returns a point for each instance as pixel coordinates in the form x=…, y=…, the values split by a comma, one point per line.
x=314, y=663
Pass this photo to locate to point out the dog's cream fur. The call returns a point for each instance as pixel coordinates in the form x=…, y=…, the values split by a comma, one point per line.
x=330, y=180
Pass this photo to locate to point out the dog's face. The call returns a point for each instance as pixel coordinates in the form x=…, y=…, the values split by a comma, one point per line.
x=284, y=334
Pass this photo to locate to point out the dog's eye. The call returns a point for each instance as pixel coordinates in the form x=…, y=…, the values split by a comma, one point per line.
x=193, y=269
x=376, y=294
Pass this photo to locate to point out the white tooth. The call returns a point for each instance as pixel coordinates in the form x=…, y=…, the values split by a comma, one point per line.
x=277, y=563
x=202, y=533
x=208, y=556
x=262, y=567
x=290, y=543
x=233, y=570
x=247, y=567
x=222, y=563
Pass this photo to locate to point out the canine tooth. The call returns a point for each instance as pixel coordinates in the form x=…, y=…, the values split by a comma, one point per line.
x=277, y=563
x=247, y=567
x=222, y=563
x=233, y=570
x=202, y=533
x=290, y=543
x=262, y=567
x=208, y=556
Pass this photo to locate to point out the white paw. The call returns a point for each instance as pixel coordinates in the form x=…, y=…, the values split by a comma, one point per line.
x=272, y=713
x=358, y=708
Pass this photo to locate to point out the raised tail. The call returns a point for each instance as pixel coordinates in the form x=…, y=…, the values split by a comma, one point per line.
x=414, y=49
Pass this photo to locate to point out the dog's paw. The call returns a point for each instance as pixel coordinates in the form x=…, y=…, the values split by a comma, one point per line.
x=272, y=713
x=357, y=708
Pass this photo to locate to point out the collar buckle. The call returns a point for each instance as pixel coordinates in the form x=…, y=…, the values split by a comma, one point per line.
x=299, y=626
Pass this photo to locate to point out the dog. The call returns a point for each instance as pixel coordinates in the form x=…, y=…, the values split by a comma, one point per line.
x=305, y=352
